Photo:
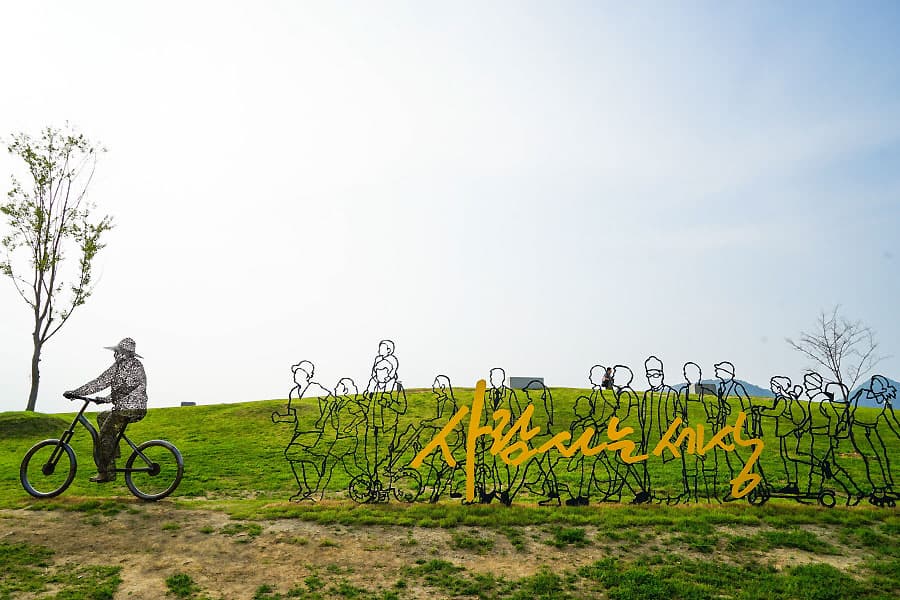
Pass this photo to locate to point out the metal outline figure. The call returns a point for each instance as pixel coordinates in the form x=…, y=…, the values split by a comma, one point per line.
x=441, y=476
x=366, y=435
x=703, y=468
x=384, y=443
x=883, y=393
x=658, y=407
x=547, y=483
x=586, y=417
x=302, y=451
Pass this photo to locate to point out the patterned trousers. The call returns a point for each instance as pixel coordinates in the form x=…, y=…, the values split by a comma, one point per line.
x=112, y=426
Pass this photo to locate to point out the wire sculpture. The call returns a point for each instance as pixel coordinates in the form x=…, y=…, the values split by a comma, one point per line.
x=626, y=475
x=543, y=466
x=867, y=440
x=127, y=383
x=303, y=452
x=372, y=439
x=441, y=475
x=658, y=408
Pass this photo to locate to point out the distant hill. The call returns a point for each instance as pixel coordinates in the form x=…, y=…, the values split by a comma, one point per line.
x=759, y=392
x=863, y=401
x=752, y=390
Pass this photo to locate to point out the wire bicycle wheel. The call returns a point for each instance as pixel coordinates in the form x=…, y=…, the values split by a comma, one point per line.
x=407, y=485
x=154, y=470
x=361, y=489
x=48, y=469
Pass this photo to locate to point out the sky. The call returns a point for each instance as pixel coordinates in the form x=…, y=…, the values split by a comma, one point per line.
x=536, y=186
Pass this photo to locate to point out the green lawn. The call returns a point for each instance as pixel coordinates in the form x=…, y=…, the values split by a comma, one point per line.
x=235, y=451
x=234, y=462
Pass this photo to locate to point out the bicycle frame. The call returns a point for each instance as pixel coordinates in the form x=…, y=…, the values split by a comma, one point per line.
x=69, y=433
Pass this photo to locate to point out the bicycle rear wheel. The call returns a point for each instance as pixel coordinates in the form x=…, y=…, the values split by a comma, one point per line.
x=407, y=485
x=154, y=470
x=48, y=469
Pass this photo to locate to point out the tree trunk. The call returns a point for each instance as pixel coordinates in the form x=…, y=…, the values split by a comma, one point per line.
x=35, y=374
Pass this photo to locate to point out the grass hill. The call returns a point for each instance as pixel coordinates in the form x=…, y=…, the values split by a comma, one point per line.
x=234, y=462
x=236, y=451
x=30, y=425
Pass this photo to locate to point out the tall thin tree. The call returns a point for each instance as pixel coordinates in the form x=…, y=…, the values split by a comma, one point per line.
x=46, y=219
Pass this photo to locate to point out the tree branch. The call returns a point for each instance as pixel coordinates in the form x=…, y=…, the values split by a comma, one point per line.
x=834, y=343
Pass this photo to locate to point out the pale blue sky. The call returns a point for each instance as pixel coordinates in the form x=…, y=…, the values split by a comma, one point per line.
x=539, y=186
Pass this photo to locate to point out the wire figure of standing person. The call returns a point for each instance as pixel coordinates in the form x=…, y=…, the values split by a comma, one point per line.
x=440, y=475
x=303, y=453
x=866, y=437
x=592, y=412
x=658, y=407
x=698, y=470
x=386, y=402
x=542, y=466
x=505, y=477
x=628, y=406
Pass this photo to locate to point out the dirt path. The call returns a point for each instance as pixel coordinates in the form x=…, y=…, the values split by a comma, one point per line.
x=232, y=559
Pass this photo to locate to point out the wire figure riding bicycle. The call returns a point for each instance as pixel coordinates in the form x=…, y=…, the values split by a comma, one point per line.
x=128, y=394
x=152, y=471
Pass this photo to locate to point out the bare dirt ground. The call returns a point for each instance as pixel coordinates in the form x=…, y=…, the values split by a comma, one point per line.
x=231, y=559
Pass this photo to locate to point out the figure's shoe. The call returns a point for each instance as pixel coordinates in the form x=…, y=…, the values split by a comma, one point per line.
x=505, y=499
x=790, y=488
x=854, y=499
x=101, y=478
x=303, y=495
x=486, y=497
x=642, y=497
x=549, y=499
x=877, y=497
x=572, y=501
x=455, y=495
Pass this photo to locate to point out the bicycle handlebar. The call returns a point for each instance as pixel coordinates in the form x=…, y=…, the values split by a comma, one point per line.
x=77, y=397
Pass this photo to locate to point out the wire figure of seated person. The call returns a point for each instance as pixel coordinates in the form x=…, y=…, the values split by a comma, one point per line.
x=127, y=383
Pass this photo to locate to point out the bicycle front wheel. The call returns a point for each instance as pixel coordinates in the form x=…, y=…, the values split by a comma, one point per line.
x=361, y=489
x=154, y=470
x=48, y=469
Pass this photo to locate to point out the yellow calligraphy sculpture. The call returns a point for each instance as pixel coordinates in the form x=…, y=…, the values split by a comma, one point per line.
x=515, y=453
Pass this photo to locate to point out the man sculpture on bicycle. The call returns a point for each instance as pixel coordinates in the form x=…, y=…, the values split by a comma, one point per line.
x=128, y=386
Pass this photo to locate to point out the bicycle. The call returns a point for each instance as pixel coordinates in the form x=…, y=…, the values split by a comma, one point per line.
x=404, y=483
x=152, y=471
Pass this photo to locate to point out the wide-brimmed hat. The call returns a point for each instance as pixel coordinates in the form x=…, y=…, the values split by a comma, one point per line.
x=125, y=346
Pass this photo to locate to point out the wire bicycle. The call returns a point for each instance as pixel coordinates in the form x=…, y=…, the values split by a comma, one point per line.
x=404, y=483
x=152, y=471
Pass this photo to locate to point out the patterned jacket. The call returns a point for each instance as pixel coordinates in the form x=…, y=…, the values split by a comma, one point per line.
x=127, y=382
